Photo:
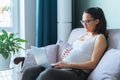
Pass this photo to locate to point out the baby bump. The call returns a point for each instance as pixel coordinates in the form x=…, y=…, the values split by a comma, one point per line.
x=77, y=56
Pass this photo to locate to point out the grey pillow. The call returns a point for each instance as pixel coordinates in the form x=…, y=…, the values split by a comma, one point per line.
x=108, y=68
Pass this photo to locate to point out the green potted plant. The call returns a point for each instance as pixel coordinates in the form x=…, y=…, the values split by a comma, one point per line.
x=9, y=44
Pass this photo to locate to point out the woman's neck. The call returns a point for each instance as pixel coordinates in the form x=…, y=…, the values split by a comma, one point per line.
x=91, y=34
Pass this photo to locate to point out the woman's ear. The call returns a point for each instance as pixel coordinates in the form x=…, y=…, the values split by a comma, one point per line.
x=97, y=21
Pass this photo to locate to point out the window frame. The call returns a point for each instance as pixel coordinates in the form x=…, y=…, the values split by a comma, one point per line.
x=14, y=17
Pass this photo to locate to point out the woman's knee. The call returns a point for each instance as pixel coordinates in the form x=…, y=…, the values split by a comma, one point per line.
x=27, y=72
x=32, y=72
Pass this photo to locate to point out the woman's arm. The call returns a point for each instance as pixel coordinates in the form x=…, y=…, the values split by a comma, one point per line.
x=99, y=49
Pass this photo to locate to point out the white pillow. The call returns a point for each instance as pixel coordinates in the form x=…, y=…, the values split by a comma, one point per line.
x=108, y=68
x=37, y=53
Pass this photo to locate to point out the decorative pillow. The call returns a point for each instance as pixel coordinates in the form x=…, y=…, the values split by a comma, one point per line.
x=108, y=68
x=39, y=54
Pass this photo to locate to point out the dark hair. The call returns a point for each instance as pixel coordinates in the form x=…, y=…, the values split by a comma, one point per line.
x=97, y=13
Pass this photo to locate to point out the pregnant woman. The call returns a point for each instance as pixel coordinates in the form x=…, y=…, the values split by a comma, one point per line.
x=84, y=56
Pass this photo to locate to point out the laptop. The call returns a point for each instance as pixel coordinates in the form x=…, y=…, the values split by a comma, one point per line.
x=41, y=57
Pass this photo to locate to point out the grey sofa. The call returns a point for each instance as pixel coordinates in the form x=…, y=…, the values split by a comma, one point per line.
x=107, y=69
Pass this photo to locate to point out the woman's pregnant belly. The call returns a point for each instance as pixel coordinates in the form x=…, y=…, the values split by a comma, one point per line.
x=77, y=56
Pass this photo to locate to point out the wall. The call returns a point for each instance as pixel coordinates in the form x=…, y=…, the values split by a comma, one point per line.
x=78, y=7
x=30, y=22
x=110, y=8
x=64, y=19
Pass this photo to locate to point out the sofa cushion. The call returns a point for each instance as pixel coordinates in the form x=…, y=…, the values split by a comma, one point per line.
x=108, y=68
x=38, y=54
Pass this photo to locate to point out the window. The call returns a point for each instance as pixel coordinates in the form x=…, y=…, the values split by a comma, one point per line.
x=9, y=20
x=9, y=15
x=5, y=13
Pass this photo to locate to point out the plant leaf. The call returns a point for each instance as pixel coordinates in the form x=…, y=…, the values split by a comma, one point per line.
x=9, y=44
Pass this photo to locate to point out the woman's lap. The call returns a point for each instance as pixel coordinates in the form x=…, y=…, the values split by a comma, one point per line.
x=57, y=74
x=40, y=73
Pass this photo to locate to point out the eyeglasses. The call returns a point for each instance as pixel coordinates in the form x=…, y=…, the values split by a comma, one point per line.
x=86, y=21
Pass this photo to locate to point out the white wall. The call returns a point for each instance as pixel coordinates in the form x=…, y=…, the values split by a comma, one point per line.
x=111, y=10
x=30, y=22
x=64, y=19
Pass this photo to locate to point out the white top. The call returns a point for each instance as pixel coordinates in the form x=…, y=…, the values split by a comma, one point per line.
x=82, y=51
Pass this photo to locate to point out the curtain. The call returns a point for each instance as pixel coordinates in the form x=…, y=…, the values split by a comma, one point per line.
x=46, y=22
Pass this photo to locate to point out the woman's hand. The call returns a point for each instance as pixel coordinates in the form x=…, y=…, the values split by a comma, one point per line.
x=61, y=65
x=65, y=53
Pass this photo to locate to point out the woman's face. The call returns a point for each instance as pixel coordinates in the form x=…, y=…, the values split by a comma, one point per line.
x=88, y=22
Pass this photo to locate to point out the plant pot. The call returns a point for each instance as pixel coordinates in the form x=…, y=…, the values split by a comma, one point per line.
x=4, y=63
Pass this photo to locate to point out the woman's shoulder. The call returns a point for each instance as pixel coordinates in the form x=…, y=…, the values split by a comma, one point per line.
x=100, y=37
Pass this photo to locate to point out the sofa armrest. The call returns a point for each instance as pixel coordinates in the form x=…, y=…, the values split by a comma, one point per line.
x=17, y=60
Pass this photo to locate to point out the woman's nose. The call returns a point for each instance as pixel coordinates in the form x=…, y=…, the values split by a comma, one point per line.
x=84, y=24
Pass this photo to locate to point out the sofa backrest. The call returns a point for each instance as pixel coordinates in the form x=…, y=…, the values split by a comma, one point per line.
x=75, y=34
x=113, y=37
